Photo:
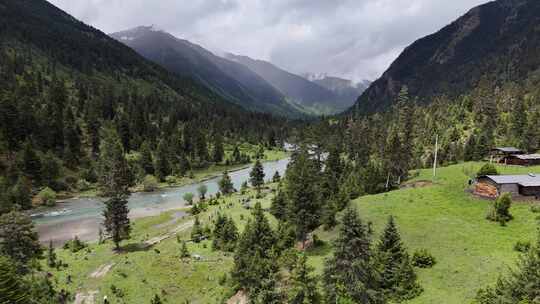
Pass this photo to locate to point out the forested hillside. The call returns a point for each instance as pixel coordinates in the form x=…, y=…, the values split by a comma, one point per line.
x=498, y=42
x=64, y=84
x=231, y=80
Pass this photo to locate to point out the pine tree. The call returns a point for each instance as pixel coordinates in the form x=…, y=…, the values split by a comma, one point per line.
x=301, y=189
x=50, y=169
x=72, y=140
x=253, y=259
x=116, y=223
x=398, y=279
x=350, y=272
x=20, y=194
x=12, y=287
x=276, y=178
x=303, y=285
x=146, y=159
x=225, y=184
x=18, y=238
x=30, y=164
x=217, y=153
x=162, y=166
x=197, y=233
x=114, y=174
x=279, y=206
x=51, y=255
x=256, y=176
x=184, y=252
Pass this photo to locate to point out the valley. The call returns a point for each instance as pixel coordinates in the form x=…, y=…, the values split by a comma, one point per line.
x=235, y=152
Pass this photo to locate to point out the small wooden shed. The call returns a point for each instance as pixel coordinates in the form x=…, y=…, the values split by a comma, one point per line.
x=521, y=159
x=494, y=185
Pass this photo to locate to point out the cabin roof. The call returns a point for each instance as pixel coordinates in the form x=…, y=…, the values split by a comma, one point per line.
x=507, y=150
x=526, y=180
x=527, y=156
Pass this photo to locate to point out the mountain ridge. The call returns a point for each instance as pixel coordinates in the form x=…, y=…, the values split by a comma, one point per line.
x=498, y=40
x=228, y=79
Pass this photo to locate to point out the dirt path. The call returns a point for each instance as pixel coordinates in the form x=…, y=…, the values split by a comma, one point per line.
x=85, y=297
x=101, y=271
x=158, y=239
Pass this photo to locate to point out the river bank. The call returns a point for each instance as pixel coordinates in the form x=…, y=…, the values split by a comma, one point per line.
x=82, y=216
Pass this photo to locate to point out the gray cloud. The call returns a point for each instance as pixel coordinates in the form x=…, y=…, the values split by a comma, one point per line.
x=356, y=39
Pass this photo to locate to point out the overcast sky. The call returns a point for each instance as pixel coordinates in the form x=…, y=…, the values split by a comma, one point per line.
x=356, y=39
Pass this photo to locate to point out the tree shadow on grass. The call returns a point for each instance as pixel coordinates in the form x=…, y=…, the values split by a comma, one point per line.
x=134, y=247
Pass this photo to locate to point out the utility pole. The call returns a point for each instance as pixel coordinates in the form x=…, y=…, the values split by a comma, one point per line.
x=435, y=158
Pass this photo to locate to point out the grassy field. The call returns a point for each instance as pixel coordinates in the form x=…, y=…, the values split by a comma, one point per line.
x=443, y=218
x=448, y=221
x=141, y=273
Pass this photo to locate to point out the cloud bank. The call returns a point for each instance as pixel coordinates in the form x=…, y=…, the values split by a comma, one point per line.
x=356, y=39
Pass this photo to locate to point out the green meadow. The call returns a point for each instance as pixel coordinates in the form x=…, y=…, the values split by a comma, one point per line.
x=442, y=217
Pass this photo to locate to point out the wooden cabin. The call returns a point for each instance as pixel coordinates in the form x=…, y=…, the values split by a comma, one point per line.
x=494, y=185
x=521, y=159
x=505, y=151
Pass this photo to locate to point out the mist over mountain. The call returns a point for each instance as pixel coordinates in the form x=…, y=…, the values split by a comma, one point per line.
x=305, y=94
x=229, y=79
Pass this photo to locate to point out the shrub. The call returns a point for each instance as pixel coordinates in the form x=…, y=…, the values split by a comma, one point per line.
x=487, y=169
x=47, y=197
x=522, y=246
x=75, y=245
x=500, y=210
x=535, y=208
x=423, y=259
x=150, y=183
x=171, y=180
x=188, y=197
x=83, y=185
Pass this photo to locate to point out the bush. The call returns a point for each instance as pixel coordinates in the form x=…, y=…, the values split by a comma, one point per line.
x=535, y=208
x=83, y=185
x=500, y=210
x=522, y=246
x=47, y=197
x=171, y=180
x=150, y=183
x=423, y=259
x=487, y=169
x=75, y=245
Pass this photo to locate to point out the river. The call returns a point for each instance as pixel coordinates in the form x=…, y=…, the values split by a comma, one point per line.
x=82, y=217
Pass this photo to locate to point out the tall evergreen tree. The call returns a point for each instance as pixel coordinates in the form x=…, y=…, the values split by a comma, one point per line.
x=117, y=223
x=162, y=166
x=304, y=285
x=253, y=259
x=18, y=238
x=114, y=176
x=350, y=272
x=30, y=164
x=256, y=176
x=398, y=279
x=301, y=189
x=218, y=151
x=225, y=184
x=12, y=287
x=146, y=159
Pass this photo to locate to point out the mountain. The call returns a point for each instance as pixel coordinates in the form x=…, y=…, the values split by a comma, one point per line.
x=307, y=95
x=498, y=41
x=62, y=82
x=346, y=90
x=231, y=80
